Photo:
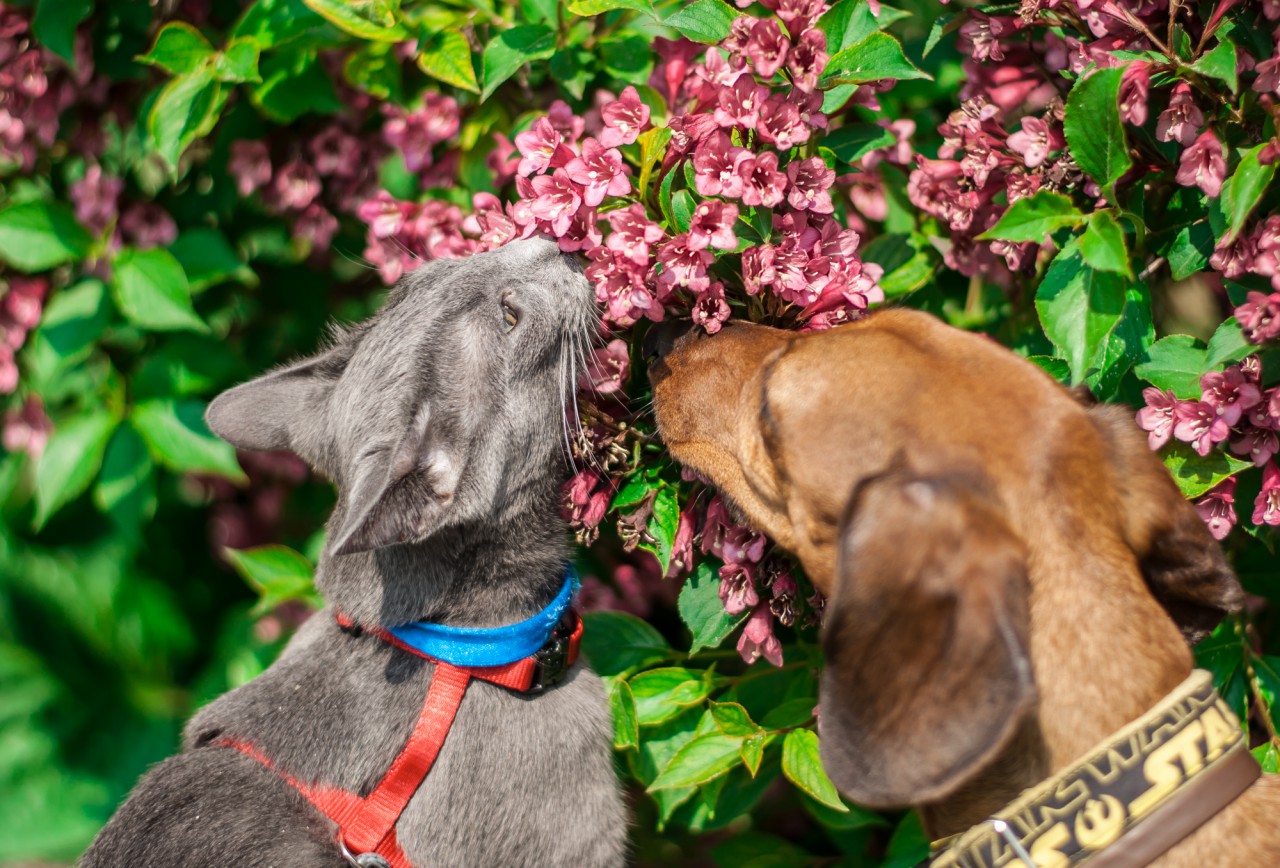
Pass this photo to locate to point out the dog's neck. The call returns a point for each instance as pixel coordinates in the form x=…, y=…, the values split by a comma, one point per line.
x=482, y=575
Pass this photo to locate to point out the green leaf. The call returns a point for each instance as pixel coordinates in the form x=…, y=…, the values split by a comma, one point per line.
x=1034, y=217
x=701, y=610
x=875, y=58
x=622, y=708
x=1103, y=246
x=941, y=26
x=1268, y=757
x=151, y=290
x=626, y=56
x=1227, y=345
x=732, y=719
x=70, y=461
x=294, y=83
x=702, y=759
x=615, y=642
x=1243, y=191
x=1079, y=307
x=653, y=145
x=591, y=8
x=447, y=56
x=126, y=487
x=178, y=49
x=73, y=321
x=1189, y=250
x=186, y=109
x=789, y=714
x=752, y=751
x=682, y=206
x=706, y=21
x=1222, y=653
x=1127, y=344
x=1220, y=63
x=909, y=261
x=663, y=525
x=207, y=259
x=803, y=767
x=238, y=62
x=179, y=439
x=512, y=49
x=36, y=236
x=1094, y=131
x=660, y=694
x=572, y=70
x=368, y=19
x=1196, y=474
x=278, y=573
x=853, y=142
x=54, y=25
x=1175, y=363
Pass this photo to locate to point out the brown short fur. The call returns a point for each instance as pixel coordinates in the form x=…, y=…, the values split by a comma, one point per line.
x=1012, y=575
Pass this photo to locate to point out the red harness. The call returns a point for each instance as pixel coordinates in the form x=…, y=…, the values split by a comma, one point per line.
x=367, y=824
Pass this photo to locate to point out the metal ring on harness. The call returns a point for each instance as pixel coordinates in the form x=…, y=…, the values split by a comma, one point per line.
x=362, y=860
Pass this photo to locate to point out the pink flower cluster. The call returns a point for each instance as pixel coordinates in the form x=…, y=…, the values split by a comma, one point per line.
x=1255, y=251
x=20, y=308
x=1234, y=410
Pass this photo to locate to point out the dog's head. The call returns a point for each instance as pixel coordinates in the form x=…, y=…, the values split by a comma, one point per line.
x=443, y=409
x=970, y=521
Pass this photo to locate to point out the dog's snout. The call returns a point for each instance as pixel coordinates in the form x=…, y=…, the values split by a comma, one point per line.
x=661, y=338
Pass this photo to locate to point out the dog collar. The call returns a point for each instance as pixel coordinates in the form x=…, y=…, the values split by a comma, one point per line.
x=488, y=646
x=1130, y=799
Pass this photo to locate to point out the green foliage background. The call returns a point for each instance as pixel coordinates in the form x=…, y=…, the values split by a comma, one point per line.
x=119, y=611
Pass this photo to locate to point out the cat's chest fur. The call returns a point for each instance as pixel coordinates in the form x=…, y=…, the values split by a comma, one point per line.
x=338, y=709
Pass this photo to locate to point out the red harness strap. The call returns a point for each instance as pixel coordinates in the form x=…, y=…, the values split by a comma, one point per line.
x=367, y=824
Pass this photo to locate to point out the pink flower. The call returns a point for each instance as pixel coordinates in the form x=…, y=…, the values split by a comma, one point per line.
x=250, y=165
x=28, y=429
x=740, y=105
x=1266, y=509
x=762, y=184
x=1203, y=165
x=981, y=33
x=767, y=47
x=1135, y=84
x=316, y=226
x=1268, y=80
x=811, y=182
x=1229, y=393
x=757, y=268
x=541, y=148
x=712, y=226
x=623, y=119
x=1034, y=141
x=711, y=310
x=633, y=233
x=8, y=370
x=799, y=15
x=556, y=200
x=391, y=259
x=336, y=152
x=415, y=133
x=779, y=124
x=583, y=232
x=95, y=197
x=296, y=186
x=1257, y=444
x=148, y=225
x=607, y=368
x=738, y=588
x=683, y=265
x=715, y=164
x=682, y=545
x=503, y=160
x=807, y=59
x=585, y=500
x=1182, y=120
x=565, y=121
x=599, y=171
x=1259, y=317
x=1157, y=417
x=386, y=216
x=757, y=638
x=1198, y=423
x=622, y=288
x=1217, y=508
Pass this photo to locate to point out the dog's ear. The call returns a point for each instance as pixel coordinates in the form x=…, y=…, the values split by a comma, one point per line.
x=1182, y=563
x=281, y=409
x=927, y=674
x=398, y=494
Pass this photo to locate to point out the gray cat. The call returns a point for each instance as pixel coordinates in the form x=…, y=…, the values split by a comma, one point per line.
x=441, y=421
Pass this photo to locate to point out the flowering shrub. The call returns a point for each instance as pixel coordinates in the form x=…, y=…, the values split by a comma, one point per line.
x=189, y=191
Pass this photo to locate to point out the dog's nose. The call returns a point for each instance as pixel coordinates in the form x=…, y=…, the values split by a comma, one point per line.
x=661, y=338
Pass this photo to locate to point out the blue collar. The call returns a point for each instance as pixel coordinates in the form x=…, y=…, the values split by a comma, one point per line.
x=488, y=646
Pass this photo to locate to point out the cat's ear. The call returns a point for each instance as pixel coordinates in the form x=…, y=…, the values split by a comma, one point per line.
x=399, y=493
x=282, y=409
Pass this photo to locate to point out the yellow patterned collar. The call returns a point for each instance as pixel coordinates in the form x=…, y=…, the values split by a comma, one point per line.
x=1128, y=800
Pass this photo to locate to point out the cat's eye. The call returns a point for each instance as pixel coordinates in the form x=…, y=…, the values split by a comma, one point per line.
x=509, y=316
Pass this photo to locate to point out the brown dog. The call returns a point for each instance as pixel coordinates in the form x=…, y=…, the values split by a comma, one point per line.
x=1011, y=574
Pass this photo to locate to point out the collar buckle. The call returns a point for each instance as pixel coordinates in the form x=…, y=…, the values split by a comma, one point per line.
x=552, y=659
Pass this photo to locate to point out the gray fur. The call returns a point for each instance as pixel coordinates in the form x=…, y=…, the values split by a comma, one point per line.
x=444, y=435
